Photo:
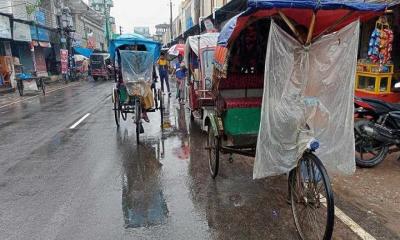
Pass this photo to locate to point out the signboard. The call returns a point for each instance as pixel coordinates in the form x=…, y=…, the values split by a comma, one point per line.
x=209, y=25
x=5, y=28
x=91, y=42
x=22, y=32
x=40, y=17
x=38, y=33
x=64, y=61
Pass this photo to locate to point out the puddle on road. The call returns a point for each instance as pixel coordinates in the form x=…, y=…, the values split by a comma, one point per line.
x=143, y=201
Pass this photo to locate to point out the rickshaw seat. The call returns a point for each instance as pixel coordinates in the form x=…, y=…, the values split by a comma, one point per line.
x=251, y=102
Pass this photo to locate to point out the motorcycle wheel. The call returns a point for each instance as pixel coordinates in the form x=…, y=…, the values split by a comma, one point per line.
x=369, y=152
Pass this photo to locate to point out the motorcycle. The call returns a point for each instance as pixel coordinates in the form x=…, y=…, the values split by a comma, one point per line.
x=377, y=130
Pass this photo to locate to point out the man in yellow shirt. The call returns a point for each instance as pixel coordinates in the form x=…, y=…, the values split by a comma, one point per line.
x=163, y=70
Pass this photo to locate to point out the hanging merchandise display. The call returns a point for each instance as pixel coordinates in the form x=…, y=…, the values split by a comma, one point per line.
x=380, y=44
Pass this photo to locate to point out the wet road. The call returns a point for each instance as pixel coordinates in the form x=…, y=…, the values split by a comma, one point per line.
x=95, y=182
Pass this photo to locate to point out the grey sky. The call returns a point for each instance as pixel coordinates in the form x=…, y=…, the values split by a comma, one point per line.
x=130, y=13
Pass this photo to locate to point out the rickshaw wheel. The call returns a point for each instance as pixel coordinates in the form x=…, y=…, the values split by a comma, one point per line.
x=311, y=198
x=117, y=108
x=124, y=114
x=43, y=86
x=161, y=107
x=20, y=87
x=213, y=147
x=138, y=114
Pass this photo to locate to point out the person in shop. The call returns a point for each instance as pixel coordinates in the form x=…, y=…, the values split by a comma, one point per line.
x=163, y=71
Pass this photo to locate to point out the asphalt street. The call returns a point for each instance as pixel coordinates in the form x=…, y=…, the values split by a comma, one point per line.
x=93, y=181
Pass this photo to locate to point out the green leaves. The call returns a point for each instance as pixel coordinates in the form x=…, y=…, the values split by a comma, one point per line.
x=31, y=8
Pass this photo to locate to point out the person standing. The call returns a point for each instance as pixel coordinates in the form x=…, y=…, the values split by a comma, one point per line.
x=180, y=73
x=163, y=70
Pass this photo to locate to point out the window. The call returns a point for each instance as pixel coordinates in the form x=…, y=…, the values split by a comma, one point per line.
x=384, y=85
x=366, y=83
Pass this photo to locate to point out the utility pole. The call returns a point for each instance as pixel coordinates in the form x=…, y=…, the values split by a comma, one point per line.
x=170, y=19
x=107, y=19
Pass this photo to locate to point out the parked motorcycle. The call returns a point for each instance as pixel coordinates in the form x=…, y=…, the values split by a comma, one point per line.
x=376, y=130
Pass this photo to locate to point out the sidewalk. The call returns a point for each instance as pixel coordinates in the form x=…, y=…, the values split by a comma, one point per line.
x=7, y=97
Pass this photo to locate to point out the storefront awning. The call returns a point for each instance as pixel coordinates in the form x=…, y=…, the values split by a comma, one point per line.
x=83, y=51
x=41, y=44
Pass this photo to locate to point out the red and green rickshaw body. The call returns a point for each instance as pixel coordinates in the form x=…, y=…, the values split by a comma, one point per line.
x=240, y=113
x=238, y=97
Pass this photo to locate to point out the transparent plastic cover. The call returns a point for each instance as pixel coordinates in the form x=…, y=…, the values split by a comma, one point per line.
x=137, y=70
x=308, y=93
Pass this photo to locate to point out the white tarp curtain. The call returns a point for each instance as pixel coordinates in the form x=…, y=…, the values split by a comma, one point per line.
x=137, y=70
x=311, y=86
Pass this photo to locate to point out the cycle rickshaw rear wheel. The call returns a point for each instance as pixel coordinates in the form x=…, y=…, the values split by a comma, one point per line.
x=117, y=108
x=311, y=198
x=213, y=147
x=138, y=114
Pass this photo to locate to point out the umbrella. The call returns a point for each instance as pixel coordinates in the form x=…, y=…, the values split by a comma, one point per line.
x=177, y=49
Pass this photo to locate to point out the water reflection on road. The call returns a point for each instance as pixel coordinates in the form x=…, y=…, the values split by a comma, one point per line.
x=143, y=201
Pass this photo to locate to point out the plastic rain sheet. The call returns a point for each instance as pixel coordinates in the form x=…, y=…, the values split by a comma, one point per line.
x=137, y=71
x=308, y=93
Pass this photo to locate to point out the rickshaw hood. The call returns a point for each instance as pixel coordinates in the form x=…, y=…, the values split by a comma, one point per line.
x=328, y=13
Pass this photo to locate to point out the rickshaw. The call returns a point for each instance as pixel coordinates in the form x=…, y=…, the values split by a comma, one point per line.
x=99, y=66
x=134, y=57
x=199, y=56
x=283, y=92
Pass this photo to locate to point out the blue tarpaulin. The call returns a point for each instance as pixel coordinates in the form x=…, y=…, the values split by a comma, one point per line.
x=356, y=5
x=83, y=51
x=135, y=39
x=301, y=11
x=41, y=34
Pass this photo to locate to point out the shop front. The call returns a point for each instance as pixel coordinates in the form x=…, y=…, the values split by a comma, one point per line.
x=378, y=68
x=6, y=66
x=22, y=46
x=42, y=49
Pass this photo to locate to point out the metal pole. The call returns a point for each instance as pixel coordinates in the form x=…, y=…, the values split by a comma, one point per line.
x=107, y=19
x=170, y=19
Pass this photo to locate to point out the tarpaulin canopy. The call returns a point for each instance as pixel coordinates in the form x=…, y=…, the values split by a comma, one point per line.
x=135, y=39
x=308, y=93
x=331, y=15
x=204, y=40
x=207, y=40
x=83, y=51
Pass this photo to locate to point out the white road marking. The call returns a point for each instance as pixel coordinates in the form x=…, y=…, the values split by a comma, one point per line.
x=47, y=92
x=350, y=223
x=79, y=121
x=353, y=225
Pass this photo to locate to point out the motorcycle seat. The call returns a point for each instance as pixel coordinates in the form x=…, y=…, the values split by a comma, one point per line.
x=390, y=106
x=393, y=106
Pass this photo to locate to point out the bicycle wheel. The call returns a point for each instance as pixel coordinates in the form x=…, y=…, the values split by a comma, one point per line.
x=213, y=145
x=311, y=198
x=369, y=152
x=138, y=114
x=117, y=108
